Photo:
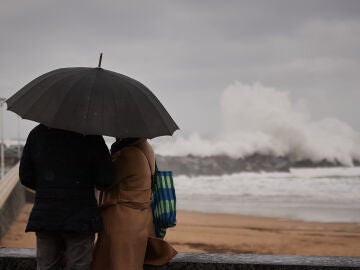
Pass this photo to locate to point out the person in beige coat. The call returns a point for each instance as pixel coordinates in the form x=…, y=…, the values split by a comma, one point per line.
x=128, y=239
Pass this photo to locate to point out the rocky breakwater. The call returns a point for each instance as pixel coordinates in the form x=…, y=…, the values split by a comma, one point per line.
x=222, y=164
x=213, y=165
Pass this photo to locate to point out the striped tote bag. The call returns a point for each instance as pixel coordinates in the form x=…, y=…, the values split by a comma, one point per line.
x=163, y=203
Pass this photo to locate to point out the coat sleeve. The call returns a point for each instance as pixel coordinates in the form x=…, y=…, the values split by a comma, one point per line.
x=26, y=169
x=103, y=168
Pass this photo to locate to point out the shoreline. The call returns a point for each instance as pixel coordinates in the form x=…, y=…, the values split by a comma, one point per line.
x=263, y=235
x=273, y=218
x=231, y=233
x=307, y=212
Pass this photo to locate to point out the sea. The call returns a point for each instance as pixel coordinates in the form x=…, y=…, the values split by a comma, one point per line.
x=309, y=194
x=316, y=194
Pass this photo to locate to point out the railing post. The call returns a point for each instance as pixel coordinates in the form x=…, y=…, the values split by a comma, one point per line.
x=2, y=101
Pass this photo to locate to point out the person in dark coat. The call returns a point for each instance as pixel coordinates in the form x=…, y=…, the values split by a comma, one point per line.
x=64, y=167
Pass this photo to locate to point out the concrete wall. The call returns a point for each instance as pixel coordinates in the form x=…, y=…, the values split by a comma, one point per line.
x=16, y=259
x=11, y=208
x=12, y=198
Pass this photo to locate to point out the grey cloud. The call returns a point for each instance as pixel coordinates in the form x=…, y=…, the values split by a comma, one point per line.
x=187, y=52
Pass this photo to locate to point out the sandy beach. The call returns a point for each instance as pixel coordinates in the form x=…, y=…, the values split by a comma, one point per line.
x=204, y=232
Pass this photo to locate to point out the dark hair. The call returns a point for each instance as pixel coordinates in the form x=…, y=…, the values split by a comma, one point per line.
x=121, y=143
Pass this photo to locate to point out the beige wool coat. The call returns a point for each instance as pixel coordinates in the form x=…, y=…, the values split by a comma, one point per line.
x=128, y=240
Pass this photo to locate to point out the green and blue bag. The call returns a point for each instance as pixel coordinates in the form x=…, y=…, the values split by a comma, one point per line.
x=163, y=203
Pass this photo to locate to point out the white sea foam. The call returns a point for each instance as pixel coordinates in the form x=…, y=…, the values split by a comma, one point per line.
x=314, y=184
x=259, y=119
x=324, y=194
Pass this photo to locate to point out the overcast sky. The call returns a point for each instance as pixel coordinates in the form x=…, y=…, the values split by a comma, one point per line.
x=188, y=52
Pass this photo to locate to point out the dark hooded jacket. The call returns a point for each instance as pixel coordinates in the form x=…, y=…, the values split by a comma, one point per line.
x=64, y=167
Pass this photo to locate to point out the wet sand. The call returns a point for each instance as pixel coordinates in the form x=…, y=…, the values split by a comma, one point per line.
x=204, y=232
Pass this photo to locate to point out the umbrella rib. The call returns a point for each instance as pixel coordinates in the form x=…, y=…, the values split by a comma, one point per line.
x=45, y=92
x=156, y=107
x=41, y=79
x=63, y=101
x=132, y=81
x=115, y=102
x=103, y=111
x=88, y=105
x=66, y=96
x=137, y=83
x=140, y=111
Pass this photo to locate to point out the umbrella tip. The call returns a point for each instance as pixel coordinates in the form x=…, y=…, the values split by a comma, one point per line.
x=100, y=59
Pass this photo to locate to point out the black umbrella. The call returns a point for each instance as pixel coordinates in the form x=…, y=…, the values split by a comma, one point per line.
x=93, y=101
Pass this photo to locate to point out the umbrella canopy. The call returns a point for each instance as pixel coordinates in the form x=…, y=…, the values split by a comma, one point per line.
x=93, y=101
